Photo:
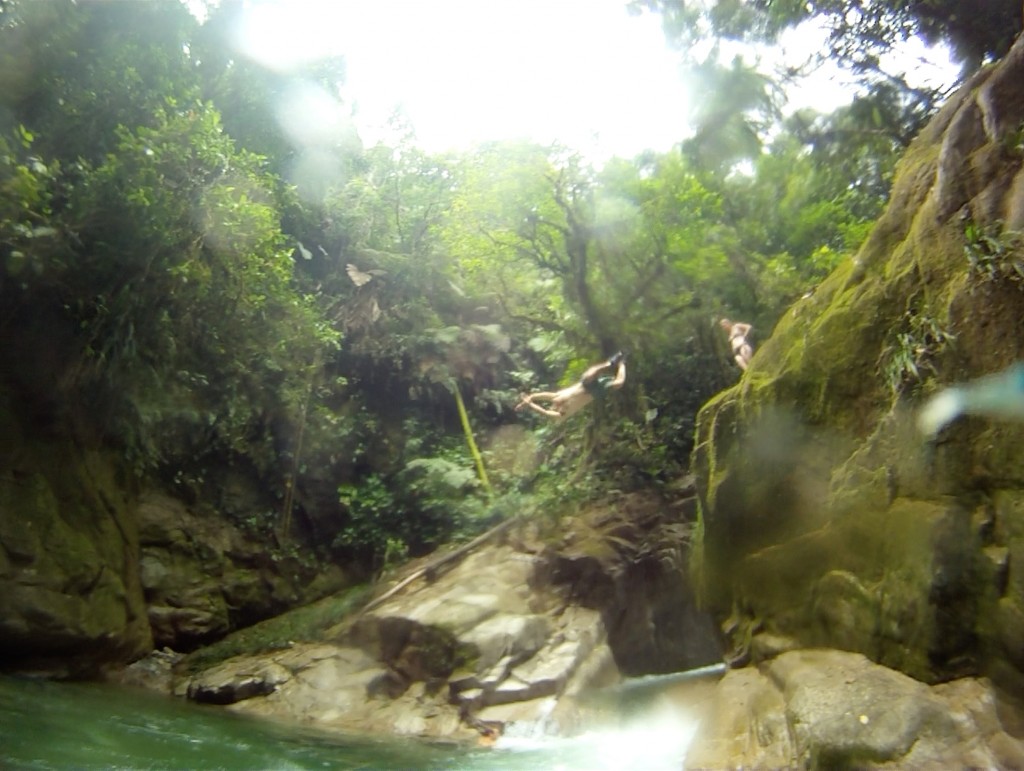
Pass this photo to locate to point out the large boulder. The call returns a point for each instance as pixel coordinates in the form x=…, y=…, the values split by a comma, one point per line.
x=430, y=660
x=499, y=637
x=203, y=576
x=830, y=709
x=629, y=559
x=827, y=518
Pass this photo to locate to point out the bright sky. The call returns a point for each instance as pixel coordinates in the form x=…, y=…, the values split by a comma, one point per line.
x=584, y=73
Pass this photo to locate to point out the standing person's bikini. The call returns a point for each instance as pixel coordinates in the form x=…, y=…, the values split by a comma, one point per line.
x=742, y=351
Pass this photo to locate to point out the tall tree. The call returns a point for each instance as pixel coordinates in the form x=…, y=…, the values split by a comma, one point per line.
x=735, y=107
x=150, y=244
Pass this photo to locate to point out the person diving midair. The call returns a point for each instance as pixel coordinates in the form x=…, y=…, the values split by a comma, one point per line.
x=594, y=383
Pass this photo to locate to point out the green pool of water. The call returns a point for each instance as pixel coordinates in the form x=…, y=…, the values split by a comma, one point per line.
x=50, y=725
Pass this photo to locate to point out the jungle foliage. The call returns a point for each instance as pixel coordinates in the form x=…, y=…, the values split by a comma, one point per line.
x=860, y=37
x=171, y=287
x=860, y=33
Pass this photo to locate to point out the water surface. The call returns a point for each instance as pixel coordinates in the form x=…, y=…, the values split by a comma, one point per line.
x=643, y=724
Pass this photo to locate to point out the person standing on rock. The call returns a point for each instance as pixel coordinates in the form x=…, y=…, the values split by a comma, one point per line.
x=742, y=350
x=593, y=384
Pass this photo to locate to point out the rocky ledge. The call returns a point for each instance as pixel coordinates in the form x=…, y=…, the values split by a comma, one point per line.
x=478, y=647
x=511, y=631
x=494, y=641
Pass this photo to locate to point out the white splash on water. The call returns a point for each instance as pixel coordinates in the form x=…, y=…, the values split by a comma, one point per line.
x=658, y=739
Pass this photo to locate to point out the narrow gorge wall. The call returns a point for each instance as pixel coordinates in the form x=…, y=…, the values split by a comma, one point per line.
x=70, y=594
x=828, y=519
x=95, y=572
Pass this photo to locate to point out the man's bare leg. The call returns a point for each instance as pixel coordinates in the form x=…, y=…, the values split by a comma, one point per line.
x=543, y=410
x=526, y=400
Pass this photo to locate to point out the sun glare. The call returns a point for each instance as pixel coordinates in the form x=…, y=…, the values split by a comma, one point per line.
x=583, y=73
x=285, y=35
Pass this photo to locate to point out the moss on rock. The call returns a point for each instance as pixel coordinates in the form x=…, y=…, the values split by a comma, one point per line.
x=825, y=516
x=69, y=584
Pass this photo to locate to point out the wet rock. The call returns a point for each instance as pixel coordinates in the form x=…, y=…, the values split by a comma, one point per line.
x=547, y=673
x=203, y=577
x=506, y=638
x=434, y=661
x=743, y=726
x=237, y=680
x=204, y=618
x=764, y=646
x=502, y=635
x=834, y=709
x=628, y=560
x=154, y=671
x=338, y=687
x=70, y=599
x=843, y=709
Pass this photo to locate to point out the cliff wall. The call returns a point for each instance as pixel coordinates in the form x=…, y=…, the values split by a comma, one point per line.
x=828, y=519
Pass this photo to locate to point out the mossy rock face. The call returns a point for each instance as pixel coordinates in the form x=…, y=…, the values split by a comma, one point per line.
x=826, y=516
x=893, y=584
x=204, y=577
x=69, y=579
